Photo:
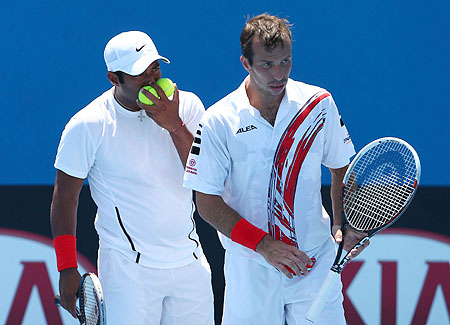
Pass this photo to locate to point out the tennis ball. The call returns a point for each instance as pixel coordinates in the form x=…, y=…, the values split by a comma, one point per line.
x=166, y=85
x=143, y=99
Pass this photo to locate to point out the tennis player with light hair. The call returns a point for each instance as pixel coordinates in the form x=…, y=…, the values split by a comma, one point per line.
x=151, y=265
x=256, y=167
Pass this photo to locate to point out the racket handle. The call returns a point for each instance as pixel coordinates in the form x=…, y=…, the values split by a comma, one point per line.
x=316, y=308
x=58, y=303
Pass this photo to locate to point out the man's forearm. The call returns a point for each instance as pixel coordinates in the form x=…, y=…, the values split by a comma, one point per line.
x=182, y=139
x=337, y=177
x=217, y=213
x=63, y=210
x=62, y=217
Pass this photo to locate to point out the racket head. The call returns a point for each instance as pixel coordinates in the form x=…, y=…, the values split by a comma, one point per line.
x=92, y=304
x=379, y=184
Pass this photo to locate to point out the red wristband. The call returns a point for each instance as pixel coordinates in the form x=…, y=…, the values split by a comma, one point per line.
x=246, y=234
x=66, y=251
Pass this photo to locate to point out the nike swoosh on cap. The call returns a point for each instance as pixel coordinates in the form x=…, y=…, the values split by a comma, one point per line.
x=138, y=49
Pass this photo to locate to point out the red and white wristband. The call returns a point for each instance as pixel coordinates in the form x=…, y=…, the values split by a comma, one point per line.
x=66, y=251
x=246, y=234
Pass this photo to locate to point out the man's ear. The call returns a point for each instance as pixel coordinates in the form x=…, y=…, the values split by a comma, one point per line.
x=112, y=77
x=245, y=63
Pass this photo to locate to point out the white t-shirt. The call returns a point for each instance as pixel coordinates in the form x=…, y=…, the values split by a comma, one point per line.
x=136, y=179
x=234, y=153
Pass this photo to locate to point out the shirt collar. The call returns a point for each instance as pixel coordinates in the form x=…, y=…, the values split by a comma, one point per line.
x=291, y=95
x=122, y=110
x=241, y=97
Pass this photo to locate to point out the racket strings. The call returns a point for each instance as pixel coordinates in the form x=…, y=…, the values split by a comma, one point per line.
x=385, y=202
x=89, y=302
x=366, y=216
x=379, y=186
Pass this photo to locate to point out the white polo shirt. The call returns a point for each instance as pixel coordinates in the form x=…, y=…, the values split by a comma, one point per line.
x=136, y=180
x=233, y=156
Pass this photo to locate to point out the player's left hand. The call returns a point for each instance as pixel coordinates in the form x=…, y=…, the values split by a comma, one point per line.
x=287, y=259
x=351, y=238
x=164, y=111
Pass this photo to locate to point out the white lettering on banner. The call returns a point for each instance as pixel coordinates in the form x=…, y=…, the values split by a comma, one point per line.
x=30, y=279
x=403, y=277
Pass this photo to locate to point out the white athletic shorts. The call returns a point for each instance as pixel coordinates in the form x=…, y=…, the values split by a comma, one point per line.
x=259, y=295
x=136, y=294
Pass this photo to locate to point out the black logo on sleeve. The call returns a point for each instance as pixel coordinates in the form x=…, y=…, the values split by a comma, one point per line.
x=246, y=129
x=195, y=149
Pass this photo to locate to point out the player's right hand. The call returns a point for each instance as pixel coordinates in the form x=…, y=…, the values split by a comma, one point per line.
x=69, y=281
x=283, y=257
x=164, y=112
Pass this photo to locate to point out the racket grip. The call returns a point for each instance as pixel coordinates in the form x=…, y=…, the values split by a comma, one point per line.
x=316, y=308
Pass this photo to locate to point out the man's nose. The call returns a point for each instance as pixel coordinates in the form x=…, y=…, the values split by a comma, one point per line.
x=150, y=76
x=277, y=73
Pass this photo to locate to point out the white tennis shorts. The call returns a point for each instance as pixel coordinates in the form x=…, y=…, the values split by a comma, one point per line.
x=136, y=294
x=256, y=294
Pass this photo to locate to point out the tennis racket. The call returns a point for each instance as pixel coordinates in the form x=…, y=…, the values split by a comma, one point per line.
x=91, y=310
x=378, y=186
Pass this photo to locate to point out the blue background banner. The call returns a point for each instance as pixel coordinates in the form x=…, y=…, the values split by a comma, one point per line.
x=386, y=65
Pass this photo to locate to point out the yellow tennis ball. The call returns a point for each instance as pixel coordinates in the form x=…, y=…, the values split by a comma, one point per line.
x=166, y=85
x=144, y=99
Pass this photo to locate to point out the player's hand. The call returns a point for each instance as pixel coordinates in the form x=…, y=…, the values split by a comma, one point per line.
x=351, y=238
x=164, y=111
x=284, y=257
x=69, y=281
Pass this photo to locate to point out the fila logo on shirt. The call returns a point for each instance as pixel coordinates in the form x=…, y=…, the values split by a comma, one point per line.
x=195, y=150
x=246, y=129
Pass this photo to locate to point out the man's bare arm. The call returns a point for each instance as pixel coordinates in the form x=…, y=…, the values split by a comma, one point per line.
x=351, y=237
x=217, y=213
x=165, y=113
x=337, y=177
x=63, y=221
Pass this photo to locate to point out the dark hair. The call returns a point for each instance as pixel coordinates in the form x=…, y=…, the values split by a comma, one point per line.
x=119, y=75
x=271, y=30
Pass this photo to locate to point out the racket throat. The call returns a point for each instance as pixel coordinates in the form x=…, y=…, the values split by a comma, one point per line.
x=338, y=268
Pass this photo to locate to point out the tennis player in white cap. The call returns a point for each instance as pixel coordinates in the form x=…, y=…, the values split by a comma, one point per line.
x=151, y=265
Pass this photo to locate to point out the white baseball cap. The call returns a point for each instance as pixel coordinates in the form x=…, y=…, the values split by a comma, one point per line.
x=131, y=52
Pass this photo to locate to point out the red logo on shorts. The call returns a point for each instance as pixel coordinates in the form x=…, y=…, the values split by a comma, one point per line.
x=192, y=162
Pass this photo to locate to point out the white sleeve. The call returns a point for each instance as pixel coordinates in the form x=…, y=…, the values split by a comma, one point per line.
x=208, y=164
x=191, y=111
x=338, y=148
x=76, y=150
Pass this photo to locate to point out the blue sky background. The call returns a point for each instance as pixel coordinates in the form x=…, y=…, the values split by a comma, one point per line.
x=386, y=65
